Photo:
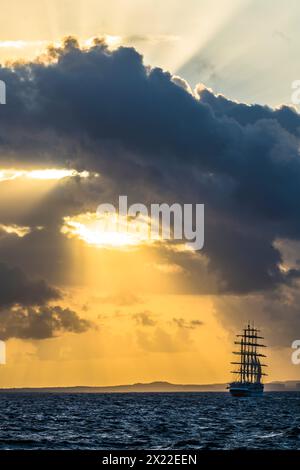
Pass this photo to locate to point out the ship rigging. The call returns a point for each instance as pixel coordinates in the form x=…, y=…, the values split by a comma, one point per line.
x=250, y=369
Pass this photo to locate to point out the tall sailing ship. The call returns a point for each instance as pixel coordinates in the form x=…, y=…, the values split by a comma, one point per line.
x=249, y=368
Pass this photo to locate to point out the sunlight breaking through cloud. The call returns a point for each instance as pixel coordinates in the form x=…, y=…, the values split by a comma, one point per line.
x=18, y=230
x=117, y=232
x=41, y=174
x=102, y=231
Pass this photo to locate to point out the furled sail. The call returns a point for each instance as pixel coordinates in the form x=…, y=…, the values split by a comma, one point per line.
x=250, y=367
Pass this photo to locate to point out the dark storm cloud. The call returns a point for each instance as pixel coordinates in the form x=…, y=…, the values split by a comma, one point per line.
x=48, y=201
x=17, y=288
x=245, y=114
x=151, y=139
x=40, y=322
x=42, y=253
x=24, y=309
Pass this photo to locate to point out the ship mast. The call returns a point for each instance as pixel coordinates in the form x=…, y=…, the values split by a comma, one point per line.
x=250, y=368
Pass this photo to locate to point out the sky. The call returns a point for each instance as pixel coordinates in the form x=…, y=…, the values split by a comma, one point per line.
x=186, y=102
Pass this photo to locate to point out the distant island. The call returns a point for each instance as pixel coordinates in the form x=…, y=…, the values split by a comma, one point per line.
x=155, y=387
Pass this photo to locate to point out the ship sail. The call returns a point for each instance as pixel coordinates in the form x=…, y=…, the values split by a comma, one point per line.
x=249, y=371
x=259, y=372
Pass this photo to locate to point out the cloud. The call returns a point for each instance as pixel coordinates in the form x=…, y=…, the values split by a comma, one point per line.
x=246, y=114
x=144, y=318
x=188, y=324
x=40, y=323
x=24, y=309
x=148, y=137
x=40, y=254
x=18, y=230
x=17, y=288
x=152, y=139
x=182, y=83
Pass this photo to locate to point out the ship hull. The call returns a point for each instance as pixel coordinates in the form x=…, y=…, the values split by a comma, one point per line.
x=237, y=389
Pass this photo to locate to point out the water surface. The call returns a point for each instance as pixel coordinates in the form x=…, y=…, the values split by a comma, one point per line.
x=149, y=421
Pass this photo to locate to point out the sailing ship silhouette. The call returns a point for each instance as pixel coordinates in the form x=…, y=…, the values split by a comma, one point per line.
x=249, y=370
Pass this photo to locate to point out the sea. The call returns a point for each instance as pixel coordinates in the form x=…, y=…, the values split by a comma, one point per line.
x=149, y=421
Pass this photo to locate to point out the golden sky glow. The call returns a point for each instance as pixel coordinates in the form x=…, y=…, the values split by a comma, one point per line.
x=143, y=332
x=146, y=327
x=123, y=350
